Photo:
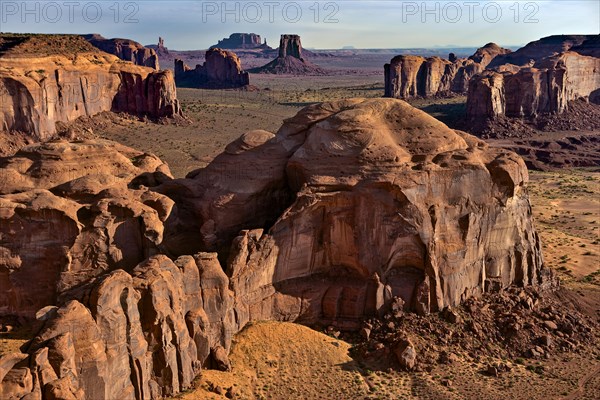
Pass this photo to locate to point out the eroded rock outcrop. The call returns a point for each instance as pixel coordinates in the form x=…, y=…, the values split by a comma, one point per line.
x=381, y=204
x=125, y=49
x=409, y=76
x=67, y=216
x=351, y=206
x=37, y=91
x=289, y=60
x=221, y=70
x=545, y=88
x=139, y=335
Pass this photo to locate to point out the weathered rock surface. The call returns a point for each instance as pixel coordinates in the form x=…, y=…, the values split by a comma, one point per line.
x=67, y=216
x=125, y=49
x=141, y=335
x=351, y=207
x=546, y=47
x=242, y=41
x=377, y=213
x=546, y=88
x=409, y=76
x=289, y=60
x=222, y=69
x=37, y=91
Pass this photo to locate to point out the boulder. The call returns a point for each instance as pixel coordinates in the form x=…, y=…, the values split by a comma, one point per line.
x=367, y=200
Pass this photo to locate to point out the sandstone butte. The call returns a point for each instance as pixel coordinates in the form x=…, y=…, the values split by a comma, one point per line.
x=289, y=59
x=221, y=70
x=45, y=79
x=141, y=280
x=409, y=76
x=546, y=87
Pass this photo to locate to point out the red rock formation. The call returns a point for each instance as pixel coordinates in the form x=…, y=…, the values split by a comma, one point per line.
x=343, y=191
x=36, y=92
x=387, y=202
x=546, y=88
x=67, y=216
x=409, y=76
x=222, y=69
x=290, y=60
x=125, y=49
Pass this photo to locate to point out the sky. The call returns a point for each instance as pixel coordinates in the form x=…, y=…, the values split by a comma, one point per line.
x=190, y=25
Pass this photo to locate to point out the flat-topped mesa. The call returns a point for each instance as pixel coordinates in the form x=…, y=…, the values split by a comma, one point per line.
x=40, y=87
x=409, y=76
x=289, y=60
x=241, y=41
x=351, y=205
x=125, y=49
x=545, y=88
x=221, y=70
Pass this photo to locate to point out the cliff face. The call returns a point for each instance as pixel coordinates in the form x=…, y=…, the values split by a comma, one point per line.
x=222, y=69
x=125, y=49
x=35, y=93
x=545, y=88
x=410, y=76
x=350, y=204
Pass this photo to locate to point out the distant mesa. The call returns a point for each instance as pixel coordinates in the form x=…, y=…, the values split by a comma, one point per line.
x=348, y=48
x=45, y=79
x=289, y=60
x=242, y=41
x=221, y=70
x=125, y=49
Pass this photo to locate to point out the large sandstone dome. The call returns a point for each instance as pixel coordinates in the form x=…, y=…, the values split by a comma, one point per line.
x=349, y=207
x=365, y=200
